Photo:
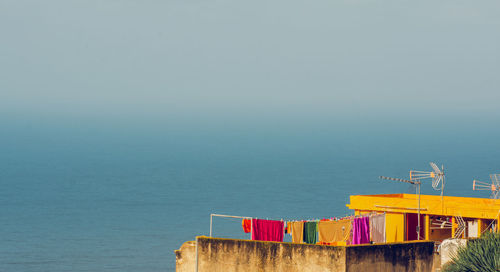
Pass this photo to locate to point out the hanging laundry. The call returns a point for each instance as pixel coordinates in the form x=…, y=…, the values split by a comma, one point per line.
x=310, y=232
x=267, y=230
x=348, y=230
x=326, y=232
x=330, y=232
x=247, y=225
x=297, y=229
x=361, y=231
x=377, y=228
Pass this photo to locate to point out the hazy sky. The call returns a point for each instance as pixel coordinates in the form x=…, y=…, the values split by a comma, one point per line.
x=194, y=58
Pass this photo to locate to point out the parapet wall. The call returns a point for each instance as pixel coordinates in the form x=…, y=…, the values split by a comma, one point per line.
x=393, y=257
x=215, y=254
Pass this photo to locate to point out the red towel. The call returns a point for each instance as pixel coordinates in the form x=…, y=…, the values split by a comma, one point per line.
x=267, y=230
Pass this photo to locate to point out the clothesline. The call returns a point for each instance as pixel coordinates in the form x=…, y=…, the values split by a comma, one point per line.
x=351, y=229
x=336, y=218
x=224, y=215
x=347, y=216
x=232, y=216
x=311, y=220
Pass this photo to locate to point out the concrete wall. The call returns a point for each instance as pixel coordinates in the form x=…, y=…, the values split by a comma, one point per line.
x=215, y=254
x=185, y=257
x=244, y=255
x=396, y=257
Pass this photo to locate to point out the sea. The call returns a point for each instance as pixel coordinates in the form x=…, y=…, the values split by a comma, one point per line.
x=122, y=195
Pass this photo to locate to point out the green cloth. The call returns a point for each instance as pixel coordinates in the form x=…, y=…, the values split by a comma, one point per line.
x=310, y=232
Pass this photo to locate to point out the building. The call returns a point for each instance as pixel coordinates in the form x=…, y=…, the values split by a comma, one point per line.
x=440, y=217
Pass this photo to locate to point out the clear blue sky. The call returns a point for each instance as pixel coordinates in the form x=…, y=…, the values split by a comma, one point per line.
x=248, y=59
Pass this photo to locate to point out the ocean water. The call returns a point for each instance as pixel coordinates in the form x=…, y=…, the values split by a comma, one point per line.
x=103, y=196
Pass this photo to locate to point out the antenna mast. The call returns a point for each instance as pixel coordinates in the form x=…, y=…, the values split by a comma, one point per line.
x=413, y=182
x=437, y=177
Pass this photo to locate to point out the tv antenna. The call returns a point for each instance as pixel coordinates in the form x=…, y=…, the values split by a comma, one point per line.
x=413, y=182
x=494, y=187
x=437, y=176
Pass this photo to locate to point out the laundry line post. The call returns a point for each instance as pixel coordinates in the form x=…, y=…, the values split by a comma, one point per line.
x=227, y=216
x=211, y=216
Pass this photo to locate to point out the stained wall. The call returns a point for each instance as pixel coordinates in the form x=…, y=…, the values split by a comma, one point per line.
x=216, y=254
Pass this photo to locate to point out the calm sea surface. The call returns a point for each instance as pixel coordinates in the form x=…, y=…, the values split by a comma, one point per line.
x=82, y=197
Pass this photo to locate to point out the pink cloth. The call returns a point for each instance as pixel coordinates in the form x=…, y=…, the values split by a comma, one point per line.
x=361, y=231
x=267, y=230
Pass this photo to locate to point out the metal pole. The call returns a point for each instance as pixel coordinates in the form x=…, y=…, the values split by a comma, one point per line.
x=442, y=187
x=223, y=215
x=211, y=224
x=414, y=183
x=251, y=229
x=418, y=226
x=442, y=190
x=196, y=257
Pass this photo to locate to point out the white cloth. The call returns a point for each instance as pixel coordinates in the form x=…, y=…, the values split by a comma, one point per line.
x=377, y=228
x=472, y=229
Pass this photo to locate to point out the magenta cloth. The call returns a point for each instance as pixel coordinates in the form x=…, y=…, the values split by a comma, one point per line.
x=361, y=231
x=267, y=230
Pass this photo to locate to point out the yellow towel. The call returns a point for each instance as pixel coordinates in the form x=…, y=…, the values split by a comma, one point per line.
x=297, y=231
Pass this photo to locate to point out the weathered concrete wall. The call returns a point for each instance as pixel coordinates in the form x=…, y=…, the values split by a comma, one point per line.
x=396, y=257
x=215, y=254
x=185, y=257
x=243, y=255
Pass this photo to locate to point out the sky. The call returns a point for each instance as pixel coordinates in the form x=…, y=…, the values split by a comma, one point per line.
x=221, y=61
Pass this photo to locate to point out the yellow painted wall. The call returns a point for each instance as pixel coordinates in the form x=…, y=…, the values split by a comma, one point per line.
x=498, y=222
x=395, y=227
x=427, y=227
x=483, y=226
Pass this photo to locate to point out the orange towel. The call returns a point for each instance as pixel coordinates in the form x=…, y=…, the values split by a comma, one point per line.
x=247, y=225
x=297, y=232
x=333, y=231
